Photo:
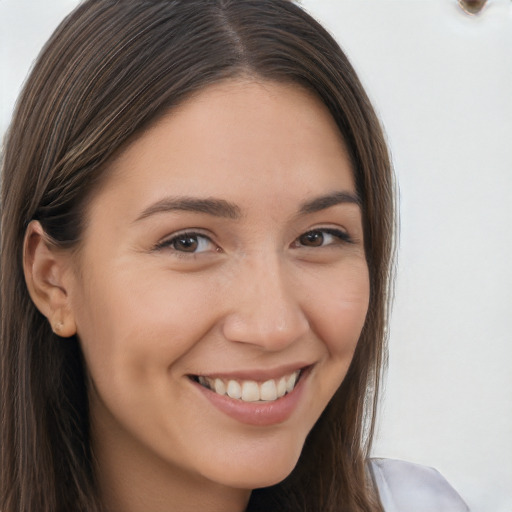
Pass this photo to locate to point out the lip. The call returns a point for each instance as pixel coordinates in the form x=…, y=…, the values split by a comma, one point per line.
x=260, y=375
x=259, y=414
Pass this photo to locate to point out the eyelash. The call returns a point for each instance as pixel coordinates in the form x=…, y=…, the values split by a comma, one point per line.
x=342, y=236
x=169, y=243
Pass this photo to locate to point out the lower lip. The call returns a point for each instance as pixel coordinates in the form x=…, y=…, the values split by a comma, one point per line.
x=257, y=413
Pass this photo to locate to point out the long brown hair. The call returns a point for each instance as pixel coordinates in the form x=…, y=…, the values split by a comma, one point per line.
x=110, y=69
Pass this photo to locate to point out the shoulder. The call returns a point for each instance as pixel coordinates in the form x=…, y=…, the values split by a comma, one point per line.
x=404, y=487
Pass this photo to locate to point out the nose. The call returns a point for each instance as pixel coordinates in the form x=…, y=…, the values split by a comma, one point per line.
x=265, y=309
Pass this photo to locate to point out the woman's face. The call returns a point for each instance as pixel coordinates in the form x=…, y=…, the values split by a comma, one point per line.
x=223, y=254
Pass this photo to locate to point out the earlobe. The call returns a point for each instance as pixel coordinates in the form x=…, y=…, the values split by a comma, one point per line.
x=45, y=268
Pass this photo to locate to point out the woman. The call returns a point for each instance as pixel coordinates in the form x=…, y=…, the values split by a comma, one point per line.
x=197, y=220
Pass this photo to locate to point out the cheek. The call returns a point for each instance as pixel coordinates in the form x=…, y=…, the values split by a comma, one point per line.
x=340, y=309
x=131, y=325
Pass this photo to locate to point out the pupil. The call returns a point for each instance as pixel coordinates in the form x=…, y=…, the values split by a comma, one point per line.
x=187, y=243
x=313, y=239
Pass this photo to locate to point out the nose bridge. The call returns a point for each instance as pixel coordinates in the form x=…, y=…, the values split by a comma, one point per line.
x=265, y=308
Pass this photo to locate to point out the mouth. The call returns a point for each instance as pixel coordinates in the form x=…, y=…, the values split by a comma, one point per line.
x=251, y=390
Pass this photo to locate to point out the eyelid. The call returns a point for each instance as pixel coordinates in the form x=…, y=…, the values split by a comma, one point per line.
x=166, y=242
x=341, y=234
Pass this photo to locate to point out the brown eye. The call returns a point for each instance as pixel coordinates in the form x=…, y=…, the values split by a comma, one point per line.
x=312, y=239
x=323, y=238
x=186, y=243
x=190, y=243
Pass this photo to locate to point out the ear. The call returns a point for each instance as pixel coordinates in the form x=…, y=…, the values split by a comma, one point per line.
x=46, y=269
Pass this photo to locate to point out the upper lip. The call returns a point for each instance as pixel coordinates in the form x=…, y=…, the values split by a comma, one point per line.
x=257, y=374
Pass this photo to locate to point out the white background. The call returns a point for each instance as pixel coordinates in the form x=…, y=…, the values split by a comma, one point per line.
x=442, y=83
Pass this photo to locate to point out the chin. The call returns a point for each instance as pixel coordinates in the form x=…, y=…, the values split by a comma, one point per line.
x=255, y=470
x=255, y=478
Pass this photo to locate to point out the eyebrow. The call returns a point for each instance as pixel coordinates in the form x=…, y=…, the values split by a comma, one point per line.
x=324, y=202
x=225, y=209
x=210, y=206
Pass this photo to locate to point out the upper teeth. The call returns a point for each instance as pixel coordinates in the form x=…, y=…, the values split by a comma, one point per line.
x=250, y=390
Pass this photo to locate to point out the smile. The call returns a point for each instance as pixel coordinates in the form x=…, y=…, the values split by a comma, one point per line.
x=250, y=390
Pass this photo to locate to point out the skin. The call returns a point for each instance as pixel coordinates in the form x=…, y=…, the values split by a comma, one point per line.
x=256, y=295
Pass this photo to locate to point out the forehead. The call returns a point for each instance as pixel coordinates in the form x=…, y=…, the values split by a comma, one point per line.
x=242, y=136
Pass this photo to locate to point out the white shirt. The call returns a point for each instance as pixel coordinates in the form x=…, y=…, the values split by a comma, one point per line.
x=407, y=487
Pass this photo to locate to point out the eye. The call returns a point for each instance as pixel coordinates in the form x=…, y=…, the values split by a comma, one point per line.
x=191, y=243
x=322, y=238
